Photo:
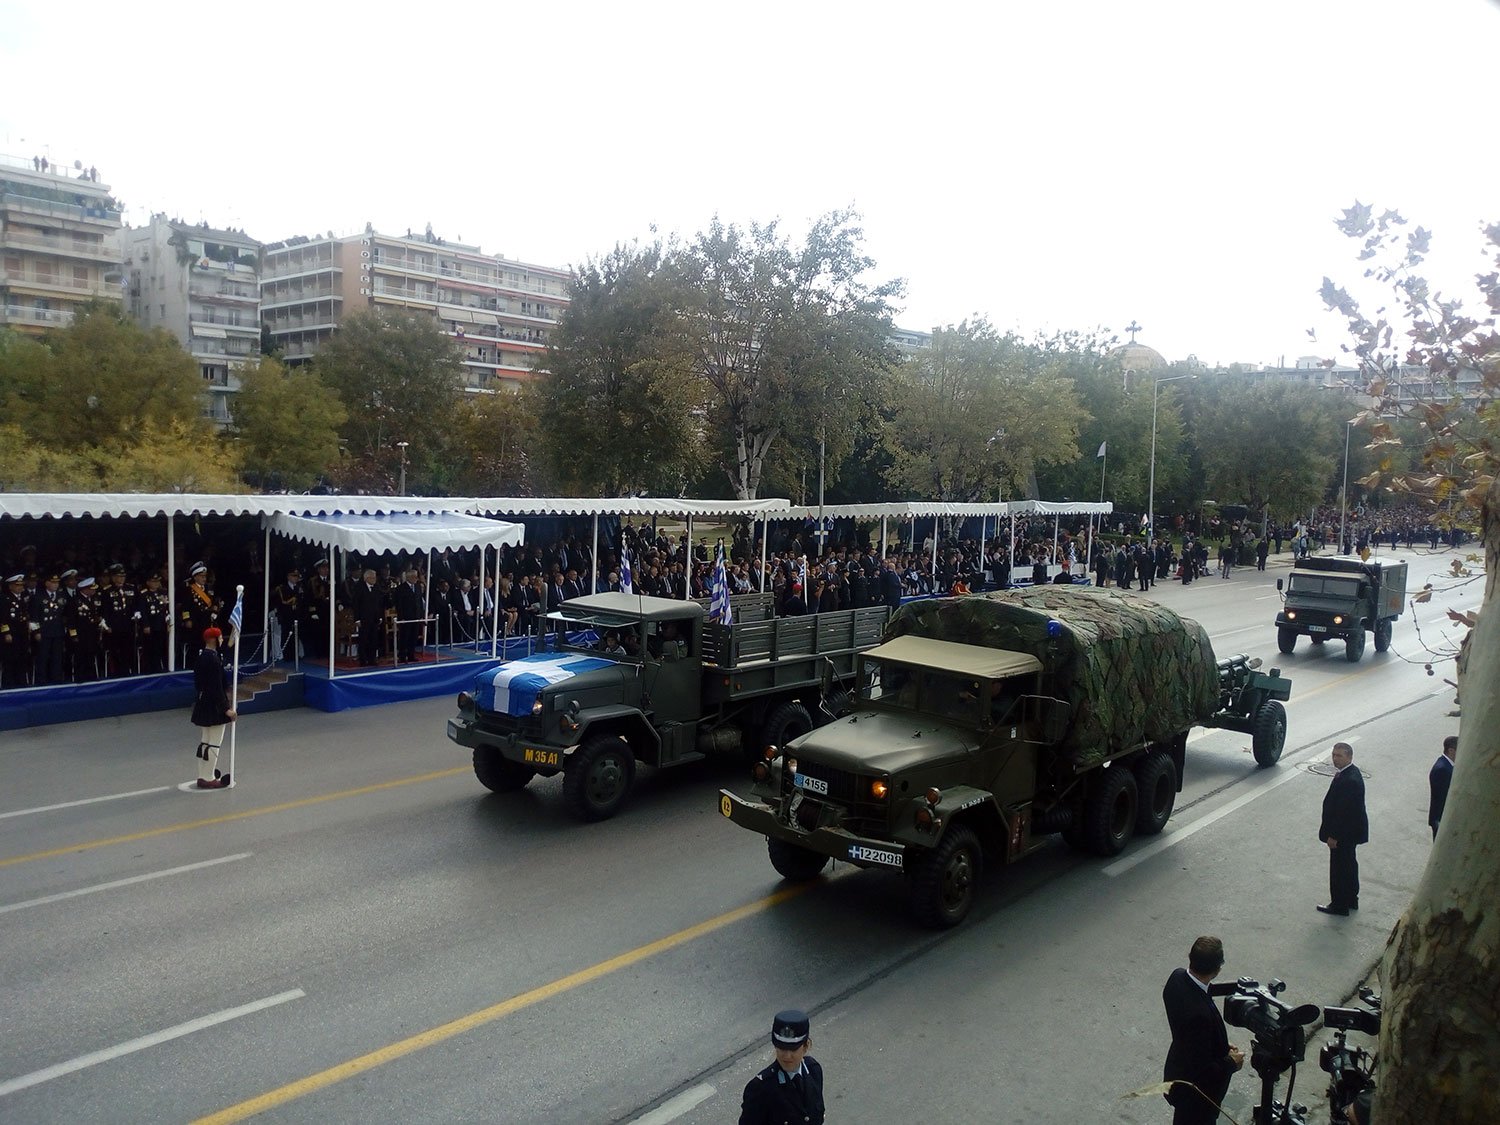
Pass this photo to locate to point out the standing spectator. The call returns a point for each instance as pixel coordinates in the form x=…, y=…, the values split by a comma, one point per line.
x=369, y=601
x=791, y=1088
x=117, y=609
x=200, y=610
x=316, y=612
x=1344, y=827
x=890, y=585
x=287, y=599
x=84, y=624
x=15, y=636
x=211, y=710
x=152, y=616
x=1262, y=551
x=1201, y=1060
x=1438, y=780
x=408, y=598
x=49, y=632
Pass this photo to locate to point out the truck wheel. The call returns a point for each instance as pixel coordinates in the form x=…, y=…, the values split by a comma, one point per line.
x=943, y=879
x=1156, y=788
x=1354, y=646
x=1286, y=639
x=1109, y=812
x=785, y=723
x=1269, y=734
x=1383, y=635
x=598, y=777
x=794, y=864
x=1317, y=642
x=499, y=774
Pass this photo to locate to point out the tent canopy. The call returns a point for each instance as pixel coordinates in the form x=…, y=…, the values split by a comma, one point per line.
x=623, y=506
x=925, y=509
x=397, y=531
x=37, y=505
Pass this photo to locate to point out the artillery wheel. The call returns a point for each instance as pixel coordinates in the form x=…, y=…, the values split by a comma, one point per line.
x=1269, y=734
x=498, y=773
x=1354, y=646
x=598, y=777
x=794, y=864
x=1383, y=635
x=1109, y=813
x=943, y=879
x=1156, y=786
x=1286, y=639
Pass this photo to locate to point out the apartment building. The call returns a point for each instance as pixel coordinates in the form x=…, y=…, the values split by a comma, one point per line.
x=498, y=309
x=59, y=243
x=201, y=284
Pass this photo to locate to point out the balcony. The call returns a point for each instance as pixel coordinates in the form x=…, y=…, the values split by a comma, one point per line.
x=277, y=300
x=226, y=292
x=94, y=249
x=72, y=287
x=88, y=213
x=25, y=314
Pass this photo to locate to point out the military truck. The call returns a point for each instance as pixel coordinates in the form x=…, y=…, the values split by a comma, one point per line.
x=985, y=724
x=1341, y=597
x=627, y=679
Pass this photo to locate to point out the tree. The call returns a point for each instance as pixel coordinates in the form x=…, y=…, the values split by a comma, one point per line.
x=285, y=424
x=501, y=443
x=619, y=403
x=400, y=378
x=790, y=341
x=1439, y=1036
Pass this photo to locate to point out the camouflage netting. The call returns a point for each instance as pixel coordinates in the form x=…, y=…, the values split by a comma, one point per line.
x=1132, y=670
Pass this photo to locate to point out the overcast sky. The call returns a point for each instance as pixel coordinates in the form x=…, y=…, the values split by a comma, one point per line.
x=1052, y=165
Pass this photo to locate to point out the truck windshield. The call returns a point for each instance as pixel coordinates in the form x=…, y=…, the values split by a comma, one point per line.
x=1324, y=585
x=934, y=691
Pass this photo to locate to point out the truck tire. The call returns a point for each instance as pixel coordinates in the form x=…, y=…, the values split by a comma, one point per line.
x=1109, y=813
x=1383, y=635
x=1286, y=639
x=1354, y=646
x=1269, y=733
x=1156, y=790
x=794, y=864
x=598, y=777
x=943, y=879
x=785, y=723
x=499, y=774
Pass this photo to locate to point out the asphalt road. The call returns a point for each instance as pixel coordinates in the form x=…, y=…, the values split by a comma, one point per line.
x=359, y=931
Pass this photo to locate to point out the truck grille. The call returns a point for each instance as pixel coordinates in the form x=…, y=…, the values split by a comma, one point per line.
x=841, y=783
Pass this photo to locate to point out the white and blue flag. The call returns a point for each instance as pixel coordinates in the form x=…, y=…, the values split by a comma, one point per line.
x=512, y=688
x=626, y=586
x=718, y=606
x=237, y=614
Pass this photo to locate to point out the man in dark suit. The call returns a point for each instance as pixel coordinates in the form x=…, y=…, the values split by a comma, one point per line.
x=409, y=599
x=1344, y=827
x=1438, y=780
x=890, y=585
x=1200, y=1053
x=369, y=601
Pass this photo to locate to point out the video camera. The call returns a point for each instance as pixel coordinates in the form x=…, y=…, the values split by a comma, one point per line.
x=1279, y=1028
x=1351, y=1070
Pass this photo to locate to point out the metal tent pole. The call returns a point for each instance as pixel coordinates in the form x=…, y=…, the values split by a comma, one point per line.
x=265, y=628
x=479, y=614
x=333, y=607
x=594, y=561
x=765, y=537
x=172, y=593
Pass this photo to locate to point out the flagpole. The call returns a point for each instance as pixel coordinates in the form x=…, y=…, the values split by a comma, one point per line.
x=234, y=695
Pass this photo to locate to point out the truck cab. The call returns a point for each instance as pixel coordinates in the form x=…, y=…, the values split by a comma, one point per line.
x=1341, y=597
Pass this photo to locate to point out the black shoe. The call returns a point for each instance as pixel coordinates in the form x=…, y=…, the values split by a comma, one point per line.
x=1354, y=906
x=217, y=775
x=224, y=781
x=1342, y=911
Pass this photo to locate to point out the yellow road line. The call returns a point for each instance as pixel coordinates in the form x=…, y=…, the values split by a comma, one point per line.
x=435, y=1035
x=302, y=803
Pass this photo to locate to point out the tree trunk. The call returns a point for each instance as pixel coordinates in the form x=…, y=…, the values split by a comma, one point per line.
x=1440, y=1033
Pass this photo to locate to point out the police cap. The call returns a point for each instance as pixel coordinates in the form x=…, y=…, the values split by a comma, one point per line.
x=790, y=1029
x=86, y=584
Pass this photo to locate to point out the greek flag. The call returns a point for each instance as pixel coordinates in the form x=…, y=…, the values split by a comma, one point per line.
x=237, y=614
x=626, y=586
x=718, y=606
x=802, y=577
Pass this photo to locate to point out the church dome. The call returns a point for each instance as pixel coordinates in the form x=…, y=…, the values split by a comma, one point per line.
x=1138, y=357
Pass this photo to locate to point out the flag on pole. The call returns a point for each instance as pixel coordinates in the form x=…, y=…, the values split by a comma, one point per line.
x=626, y=586
x=237, y=614
x=802, y=576
x=1103, y=447
x=718, y=607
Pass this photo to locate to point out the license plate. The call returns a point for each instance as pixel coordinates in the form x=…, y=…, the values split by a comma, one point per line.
x=1317, y=628
x=453, y=730
x=812, y=784
x=541, y=757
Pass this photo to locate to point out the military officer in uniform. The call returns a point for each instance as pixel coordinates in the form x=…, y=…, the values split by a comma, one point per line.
x=199, y=611
x=790, y=1090
x=152, y=617
x=316, y=611
x=68, y=591
x=118, y=610
x=48, y=632
x=84, y=623
x=15, y=636
x=287, y=599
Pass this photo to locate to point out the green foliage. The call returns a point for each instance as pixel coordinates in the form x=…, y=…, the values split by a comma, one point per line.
x=618, y=405
x=499, y=434
x=400, y=378
x=286, y=425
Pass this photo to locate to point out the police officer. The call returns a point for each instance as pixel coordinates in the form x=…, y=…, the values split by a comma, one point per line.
x=15, y=636
x=84, y=623
x=152, y=616
x=315, y=607
x=790, y=1090
x=118, y=611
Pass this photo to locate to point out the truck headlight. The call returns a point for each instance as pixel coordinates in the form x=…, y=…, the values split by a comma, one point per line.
x=1291, y=615
x=879, y=789
x=465, y=701
x=1338, y=618
x=536, y=708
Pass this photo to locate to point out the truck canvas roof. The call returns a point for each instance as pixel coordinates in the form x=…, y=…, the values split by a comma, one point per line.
x=636, y=606
x=951, y=656
x=1348, y=564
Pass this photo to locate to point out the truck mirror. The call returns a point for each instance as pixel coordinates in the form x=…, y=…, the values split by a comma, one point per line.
x=573, y=708
x=1278, y=584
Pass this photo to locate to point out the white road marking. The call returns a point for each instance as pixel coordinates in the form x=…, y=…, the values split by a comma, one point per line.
x=1171, y=838
x=85, y=801
x=673, y=1108
x=130, y=1047
x=1267, y=597
x=1232, y=632
x=123, y=882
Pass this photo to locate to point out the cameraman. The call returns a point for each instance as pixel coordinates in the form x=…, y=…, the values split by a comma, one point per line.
x=1200, y=1053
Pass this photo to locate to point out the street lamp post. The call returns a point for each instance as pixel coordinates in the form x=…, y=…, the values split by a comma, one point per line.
x=401, y=445
x=1156, y=383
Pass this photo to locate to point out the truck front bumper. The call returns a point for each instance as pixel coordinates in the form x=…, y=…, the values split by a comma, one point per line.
x=512, y=746
x=1318, y=625
x=832, y=842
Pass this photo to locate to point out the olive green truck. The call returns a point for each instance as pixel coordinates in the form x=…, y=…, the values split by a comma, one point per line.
x=629, y=679
x=983, y=725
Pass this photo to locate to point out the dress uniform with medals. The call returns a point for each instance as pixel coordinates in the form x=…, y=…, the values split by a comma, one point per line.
x=49, y=632
x=287, y=600
x=15, y=636
x=153, y=619
x=790, y=1090
x=84, y=623
x=118, y=610
x=315, y=610
x=199, y=611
